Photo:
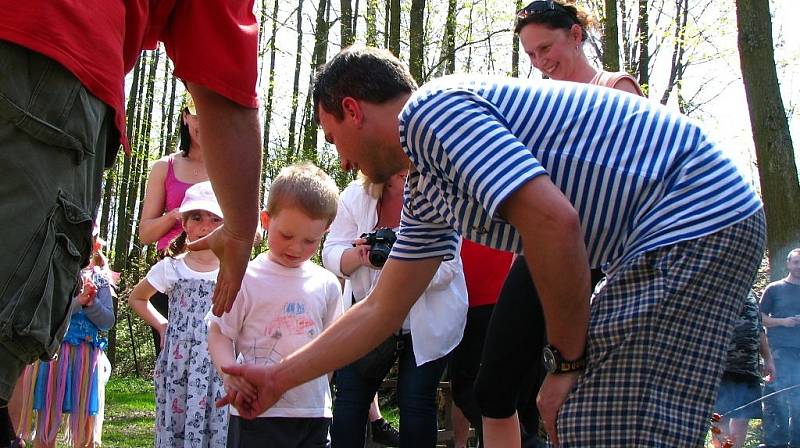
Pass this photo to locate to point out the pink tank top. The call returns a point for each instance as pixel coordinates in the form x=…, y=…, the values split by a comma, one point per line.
x=175, y=191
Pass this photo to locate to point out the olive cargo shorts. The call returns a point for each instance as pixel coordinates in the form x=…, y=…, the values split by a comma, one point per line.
x=54, y=138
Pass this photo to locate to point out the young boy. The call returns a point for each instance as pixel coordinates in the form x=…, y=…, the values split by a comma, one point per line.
x=285, y=301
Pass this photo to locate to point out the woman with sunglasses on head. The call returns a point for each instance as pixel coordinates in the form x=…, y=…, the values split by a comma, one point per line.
x=552, y=34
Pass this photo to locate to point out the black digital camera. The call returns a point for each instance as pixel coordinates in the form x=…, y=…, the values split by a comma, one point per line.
x=380, y=242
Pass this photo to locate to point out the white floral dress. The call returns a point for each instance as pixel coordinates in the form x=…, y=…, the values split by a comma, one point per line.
x=187, y=385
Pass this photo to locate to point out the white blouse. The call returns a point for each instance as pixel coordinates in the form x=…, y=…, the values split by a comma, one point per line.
x=437, y=319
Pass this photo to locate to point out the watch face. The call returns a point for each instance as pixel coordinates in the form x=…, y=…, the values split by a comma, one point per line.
x=549, y=360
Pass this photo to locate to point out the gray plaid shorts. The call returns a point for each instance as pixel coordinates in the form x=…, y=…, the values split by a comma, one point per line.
x=54, y=137
x=658, y=334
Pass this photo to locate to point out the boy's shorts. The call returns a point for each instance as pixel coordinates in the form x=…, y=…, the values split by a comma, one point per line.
x=279, y=432
x=54, y=138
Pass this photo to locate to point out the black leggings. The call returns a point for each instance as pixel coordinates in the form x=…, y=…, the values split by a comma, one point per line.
x=511, y=369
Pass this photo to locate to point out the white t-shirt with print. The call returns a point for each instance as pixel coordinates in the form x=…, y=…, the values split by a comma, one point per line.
x=277, y=311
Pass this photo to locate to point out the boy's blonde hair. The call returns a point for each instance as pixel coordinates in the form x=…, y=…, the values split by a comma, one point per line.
x=306, y=187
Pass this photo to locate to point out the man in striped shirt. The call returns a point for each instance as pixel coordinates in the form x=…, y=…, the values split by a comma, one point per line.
x=571, y=176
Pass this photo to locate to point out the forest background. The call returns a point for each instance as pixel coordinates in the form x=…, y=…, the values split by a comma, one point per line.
x=692, y=56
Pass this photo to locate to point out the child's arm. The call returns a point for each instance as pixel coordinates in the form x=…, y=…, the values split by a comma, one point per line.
x=139, y=301
x=101, y=310
x=220, y=347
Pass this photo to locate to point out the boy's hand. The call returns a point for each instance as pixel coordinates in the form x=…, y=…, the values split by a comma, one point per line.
x=239, y=386
x=260, y=377
x=233, y=253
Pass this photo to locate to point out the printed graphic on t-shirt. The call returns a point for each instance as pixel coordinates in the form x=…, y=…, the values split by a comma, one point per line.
x=292, y=322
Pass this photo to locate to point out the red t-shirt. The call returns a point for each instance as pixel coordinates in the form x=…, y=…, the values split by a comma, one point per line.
x=211, y=42
x=485, y=270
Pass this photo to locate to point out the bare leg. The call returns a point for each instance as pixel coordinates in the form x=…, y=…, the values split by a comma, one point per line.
x=738, y=431
x=374, y=410
x=502, y=432
x=460, y=428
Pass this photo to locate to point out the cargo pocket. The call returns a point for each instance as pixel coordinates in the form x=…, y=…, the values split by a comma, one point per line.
x=46, y=280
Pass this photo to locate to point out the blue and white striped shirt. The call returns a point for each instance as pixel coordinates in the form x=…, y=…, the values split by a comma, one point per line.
x=640, y=176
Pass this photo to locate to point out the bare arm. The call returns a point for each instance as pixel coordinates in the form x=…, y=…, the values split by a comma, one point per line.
x=626, y=85
x=220, y=347
x=554, y=250
x=232, y=154
x=556, y=256
x=770, y=322
x=154, y=223
x=766, y=354
x=139, y=301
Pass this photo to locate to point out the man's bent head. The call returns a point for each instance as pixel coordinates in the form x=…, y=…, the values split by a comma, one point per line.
x=364, y=73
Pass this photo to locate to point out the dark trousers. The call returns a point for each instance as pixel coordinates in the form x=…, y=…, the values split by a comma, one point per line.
x=416, y=395
x=278, y=432
x=465, y=360
x=55, y=140
x=782, y=412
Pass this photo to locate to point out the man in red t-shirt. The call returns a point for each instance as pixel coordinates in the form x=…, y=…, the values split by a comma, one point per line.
x=62, y=119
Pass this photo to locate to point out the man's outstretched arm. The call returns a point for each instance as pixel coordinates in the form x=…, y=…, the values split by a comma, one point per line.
x=363, y=327
x=231, y=143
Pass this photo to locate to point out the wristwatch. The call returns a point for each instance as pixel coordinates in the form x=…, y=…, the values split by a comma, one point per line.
x=554, y=362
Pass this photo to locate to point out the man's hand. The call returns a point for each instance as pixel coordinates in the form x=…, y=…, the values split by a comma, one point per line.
x=551, y=396
x=261, y=379
x=768, y=370
x=233, y=253
x=790, y=322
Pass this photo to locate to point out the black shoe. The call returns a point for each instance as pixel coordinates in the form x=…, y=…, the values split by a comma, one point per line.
x=384, y=433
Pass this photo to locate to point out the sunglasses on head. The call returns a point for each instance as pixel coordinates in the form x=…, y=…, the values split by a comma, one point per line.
x=539, y=7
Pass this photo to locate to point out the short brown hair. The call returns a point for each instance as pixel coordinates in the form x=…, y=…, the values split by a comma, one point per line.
x=306, y=187
x=364, y=73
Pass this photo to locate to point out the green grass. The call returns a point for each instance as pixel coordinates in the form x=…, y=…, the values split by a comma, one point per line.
x=130, y=415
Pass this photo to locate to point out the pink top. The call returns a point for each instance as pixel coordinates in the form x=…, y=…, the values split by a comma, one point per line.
x=175, y=190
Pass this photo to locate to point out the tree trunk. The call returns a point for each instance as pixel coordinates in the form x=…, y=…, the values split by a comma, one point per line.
x=372, y=26
x=447, y=58
x=317, y=58
x=644, y=44
x=515, y=45
x=678, y=48
x=394, y=27
x=296, y=82
x=776, y=163
x=416, y=37
x=611, y=38
x=346, y=23
x=270, y=97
